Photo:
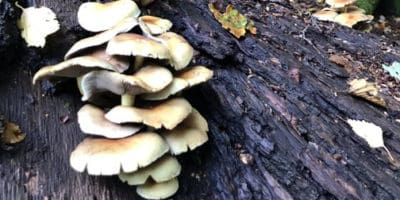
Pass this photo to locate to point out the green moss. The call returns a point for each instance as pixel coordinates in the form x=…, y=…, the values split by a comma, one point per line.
x=368, y=5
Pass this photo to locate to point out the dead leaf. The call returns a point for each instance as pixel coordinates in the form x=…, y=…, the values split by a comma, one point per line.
x=370, y=132
x=36, y=24
x=12, y=134
x=232, y=20
x=366, y=90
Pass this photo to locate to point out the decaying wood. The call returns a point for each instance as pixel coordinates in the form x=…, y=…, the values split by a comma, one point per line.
x=276, y=108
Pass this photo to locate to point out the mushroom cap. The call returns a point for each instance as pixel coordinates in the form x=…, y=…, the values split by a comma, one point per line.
x=95, y=17
x=326, y=14
x=148, y=79
x=180, y=50
x=183, y=80
x=128, y=44
x=107, y=157
x=101, y=38
x=188, y=135
x=181, y=140
x=167, y=114
x=195, y=120
x=154, y=25
x=174, y=87
x=163, y=190
x=92, y=121
x=196, y=75
x=339, y=3
x=73, y=68
x=163, y=169
x=120, y=62
x=351, y=19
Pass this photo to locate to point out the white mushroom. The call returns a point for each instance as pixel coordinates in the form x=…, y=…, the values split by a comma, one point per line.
x=147, y=79
x=167, y=114
x=95, y=16
x=92, y=121
x=74, y=68
x=130, y=44
x=183, y=80
x=101, y=38
x=188, y=135
x=152, y=25
x=163, y=169
x=163, y=190
x=107, y=157
x=180, y=50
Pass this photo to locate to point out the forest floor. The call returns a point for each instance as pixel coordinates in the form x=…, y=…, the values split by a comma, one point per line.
x=383, y=26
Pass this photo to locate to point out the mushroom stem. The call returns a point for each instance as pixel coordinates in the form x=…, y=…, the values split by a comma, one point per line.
x=147, y=32
x=79, y=83
x=127, y=100
x=138, y=62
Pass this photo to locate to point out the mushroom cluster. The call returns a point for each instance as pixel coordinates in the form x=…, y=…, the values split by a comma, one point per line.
x=343, y=12
x=139, y=138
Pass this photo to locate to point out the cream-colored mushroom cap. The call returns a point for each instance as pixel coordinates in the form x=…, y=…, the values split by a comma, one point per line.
x=148, y=79
x=195, y=120
x=163, y=169
x=95, y=17
x=107, y=157
x=174, y=87
x=188, y=135
x=73, y=68
x=92, y=121
x=163, y=190
x=154, y=25
x=128, y=44
x=180, y=50
x=196, y=75
x=183, y=80
x=101, y=38
x=167, y=114
x=339, y=3
x=325, y=14
x=351, y=19
x=120, y=62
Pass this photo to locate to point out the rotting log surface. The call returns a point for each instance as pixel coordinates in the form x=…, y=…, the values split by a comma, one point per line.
x=293, y=132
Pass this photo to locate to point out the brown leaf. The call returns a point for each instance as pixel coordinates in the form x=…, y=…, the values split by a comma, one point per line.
x=366, y=90
x=12, y=134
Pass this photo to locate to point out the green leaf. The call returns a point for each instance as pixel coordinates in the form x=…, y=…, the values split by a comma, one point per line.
x=394, y=69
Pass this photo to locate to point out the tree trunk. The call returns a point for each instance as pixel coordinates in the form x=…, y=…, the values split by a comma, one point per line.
x=276, y=108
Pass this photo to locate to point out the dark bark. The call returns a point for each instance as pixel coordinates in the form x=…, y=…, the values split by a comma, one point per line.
x=293, y=131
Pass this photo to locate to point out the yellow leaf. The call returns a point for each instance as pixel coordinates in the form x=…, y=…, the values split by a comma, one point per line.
x=366, y=90
x=232, y=20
